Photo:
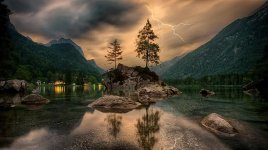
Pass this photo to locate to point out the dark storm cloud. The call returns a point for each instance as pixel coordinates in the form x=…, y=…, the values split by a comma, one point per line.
x=26, y=6
x=81, y=16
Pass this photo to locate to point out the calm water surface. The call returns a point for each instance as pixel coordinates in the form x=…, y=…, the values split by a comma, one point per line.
x=68, y=123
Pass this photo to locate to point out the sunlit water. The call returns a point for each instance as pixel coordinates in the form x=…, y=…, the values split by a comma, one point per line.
x=68, y=123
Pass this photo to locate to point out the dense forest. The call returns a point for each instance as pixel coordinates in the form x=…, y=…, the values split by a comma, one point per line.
x=259, y=72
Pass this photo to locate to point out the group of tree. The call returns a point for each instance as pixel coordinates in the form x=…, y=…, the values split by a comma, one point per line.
x=146, y=48
x=224, y=79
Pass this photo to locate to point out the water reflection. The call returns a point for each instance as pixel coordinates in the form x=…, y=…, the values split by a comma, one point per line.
x=147, y=127
x=114, y=124
x=59, y=89
x=68, y=120
x=86, y=88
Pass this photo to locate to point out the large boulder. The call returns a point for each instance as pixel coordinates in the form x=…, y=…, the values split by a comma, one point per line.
x=206, y=93
x=34, y=99
x=13, y=85
x=158, y=91
x=111, y=103
x=146, y=100
x=219, y=125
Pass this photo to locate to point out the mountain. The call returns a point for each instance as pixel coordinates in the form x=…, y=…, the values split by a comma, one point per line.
x=24, y=59
x=163, y=67
x=66, y=41
x=236, y=49
x=93, y=63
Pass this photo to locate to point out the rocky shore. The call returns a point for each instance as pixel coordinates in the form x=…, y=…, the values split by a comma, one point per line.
x=13, y=92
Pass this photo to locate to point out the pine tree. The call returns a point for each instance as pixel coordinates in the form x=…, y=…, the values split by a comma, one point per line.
x=114, y=53
x=147, y=49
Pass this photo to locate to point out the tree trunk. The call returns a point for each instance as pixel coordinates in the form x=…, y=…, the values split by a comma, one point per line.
x=147, y=57
x=115, y=64
x=115, y=61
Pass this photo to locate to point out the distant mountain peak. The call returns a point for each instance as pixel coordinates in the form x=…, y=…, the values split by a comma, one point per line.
x=64, y=41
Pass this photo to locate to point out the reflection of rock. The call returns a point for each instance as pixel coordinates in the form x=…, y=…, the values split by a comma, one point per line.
x=13, y=85
x=257, y=88
x=114, y=124
x=151, y=92
x=36, y=91
x=252, y=92
x=9, y=100
x=206, y=93
x=219, y=125
x=34, y=99
x=114, y=103
x=147, y=126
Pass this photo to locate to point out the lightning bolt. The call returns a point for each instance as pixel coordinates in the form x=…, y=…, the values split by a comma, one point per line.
x=172, y=27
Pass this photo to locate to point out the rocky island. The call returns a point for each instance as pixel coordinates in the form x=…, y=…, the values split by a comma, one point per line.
x=143, y=83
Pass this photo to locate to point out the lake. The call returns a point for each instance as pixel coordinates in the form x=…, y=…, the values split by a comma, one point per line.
x=174, y=123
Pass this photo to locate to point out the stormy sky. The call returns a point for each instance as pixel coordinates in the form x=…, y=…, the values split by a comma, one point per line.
x=181, y=25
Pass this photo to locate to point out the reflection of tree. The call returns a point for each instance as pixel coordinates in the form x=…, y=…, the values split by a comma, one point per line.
x=114, y=124
x=147, y=126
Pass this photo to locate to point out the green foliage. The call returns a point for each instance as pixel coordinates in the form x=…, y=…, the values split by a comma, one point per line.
x=146, y=48
x=114, y=52
x=24, y=59
x=23, y=72
x=261, y=69
x=235, y=50
x=226, y=79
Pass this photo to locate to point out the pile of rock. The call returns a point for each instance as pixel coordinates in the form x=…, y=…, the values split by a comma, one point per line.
x=145, y=96
x=148, y=88
x=114, y=103
x=152, y=92
x=13, y=91
x=13, y=85
x=125, y=76
x=127, y=71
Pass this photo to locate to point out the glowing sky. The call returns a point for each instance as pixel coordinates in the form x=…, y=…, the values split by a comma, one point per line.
x=92, y=24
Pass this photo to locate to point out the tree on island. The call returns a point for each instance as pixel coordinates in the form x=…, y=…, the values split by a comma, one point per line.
x=147, y=49
x=114, y=52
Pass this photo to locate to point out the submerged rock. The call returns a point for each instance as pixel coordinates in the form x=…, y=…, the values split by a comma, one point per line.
x=111, y=103
x=206, y=93
x=34, y=99
x=13, y=85
x=219, y=125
